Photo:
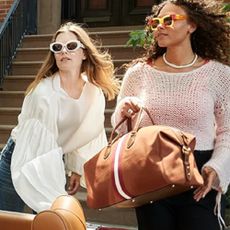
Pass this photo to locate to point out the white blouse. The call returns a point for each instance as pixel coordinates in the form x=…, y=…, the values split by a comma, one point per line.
x=52, y=124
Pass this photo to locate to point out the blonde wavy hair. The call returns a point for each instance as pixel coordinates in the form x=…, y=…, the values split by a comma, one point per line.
x=98, y=65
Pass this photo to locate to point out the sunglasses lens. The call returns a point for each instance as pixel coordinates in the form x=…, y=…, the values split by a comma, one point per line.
x=57, y=47
x=155, y=23
x=168, y=21
x=72, y=46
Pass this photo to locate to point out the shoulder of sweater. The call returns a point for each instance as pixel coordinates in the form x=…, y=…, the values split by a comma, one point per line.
x=218, y=75
x=136, y=68
x=220, y=72
x=223, y=68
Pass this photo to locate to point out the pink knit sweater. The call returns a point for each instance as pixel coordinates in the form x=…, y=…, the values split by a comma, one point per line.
x=197, y=102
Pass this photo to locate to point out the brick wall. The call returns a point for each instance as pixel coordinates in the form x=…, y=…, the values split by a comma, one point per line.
x=4, y=8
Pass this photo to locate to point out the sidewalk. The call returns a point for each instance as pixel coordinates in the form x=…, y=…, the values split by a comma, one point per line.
x=98, y=226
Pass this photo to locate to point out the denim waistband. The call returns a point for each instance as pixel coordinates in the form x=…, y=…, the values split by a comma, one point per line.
x=8, y=150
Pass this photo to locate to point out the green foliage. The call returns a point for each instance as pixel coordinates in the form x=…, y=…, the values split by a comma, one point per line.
x=226, y=9
x=137, y=38
x=140, y=38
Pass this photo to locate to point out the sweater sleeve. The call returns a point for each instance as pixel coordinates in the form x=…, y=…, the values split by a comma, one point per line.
x=220, y=159
x=37, y=167
x=130, y=90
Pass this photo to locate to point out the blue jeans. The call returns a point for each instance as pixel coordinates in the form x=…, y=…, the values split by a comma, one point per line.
x=9, y=199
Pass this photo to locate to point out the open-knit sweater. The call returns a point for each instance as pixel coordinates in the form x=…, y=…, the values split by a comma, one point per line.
x=197, y=102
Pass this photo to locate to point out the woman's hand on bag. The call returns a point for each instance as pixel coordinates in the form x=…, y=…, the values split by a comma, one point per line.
x=209, y=176
x=73, y=184
x=130, y=107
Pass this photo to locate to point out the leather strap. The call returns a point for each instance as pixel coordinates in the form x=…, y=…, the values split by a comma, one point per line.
x=129, y=123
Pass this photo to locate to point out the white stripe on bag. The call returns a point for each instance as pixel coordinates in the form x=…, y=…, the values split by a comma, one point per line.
x=116, y=173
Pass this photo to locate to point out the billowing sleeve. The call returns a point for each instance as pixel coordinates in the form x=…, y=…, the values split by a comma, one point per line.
x=76, y=159
x=37, y=166
x=220, y=159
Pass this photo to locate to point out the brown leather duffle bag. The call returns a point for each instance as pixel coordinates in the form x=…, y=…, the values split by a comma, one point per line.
x=144, y=165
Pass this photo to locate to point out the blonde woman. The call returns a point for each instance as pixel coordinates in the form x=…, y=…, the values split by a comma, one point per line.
x=62, y=117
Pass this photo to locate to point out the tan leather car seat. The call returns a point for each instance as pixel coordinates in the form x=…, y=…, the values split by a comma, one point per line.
x=15, y=221
x=65, y=214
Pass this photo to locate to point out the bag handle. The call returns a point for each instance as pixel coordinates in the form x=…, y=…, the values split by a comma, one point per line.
x=129, y=122
x=139, y=118
x=132, y=137
x=129, y=128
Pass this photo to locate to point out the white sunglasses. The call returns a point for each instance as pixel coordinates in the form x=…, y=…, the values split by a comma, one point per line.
x=70, y=46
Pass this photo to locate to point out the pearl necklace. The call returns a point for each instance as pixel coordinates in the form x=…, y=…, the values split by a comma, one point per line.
x=180, y=66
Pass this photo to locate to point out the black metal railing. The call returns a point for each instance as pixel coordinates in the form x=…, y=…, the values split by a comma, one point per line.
x=20, y=20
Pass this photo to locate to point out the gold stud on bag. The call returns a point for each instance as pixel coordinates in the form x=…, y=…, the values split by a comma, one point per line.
x=144, y=165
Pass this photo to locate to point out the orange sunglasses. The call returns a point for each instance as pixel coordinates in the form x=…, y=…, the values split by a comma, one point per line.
x=166, y=21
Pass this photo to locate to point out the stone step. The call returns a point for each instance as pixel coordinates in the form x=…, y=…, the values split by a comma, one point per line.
x=1, y=146
x=31, y=54
x=32, y=67
x=108, y=114
x=9, y=115
x=5, y=131
x=116, y=51
x=105, y=36
x=21, y=82
x=111, y=104
x=15, y=99
x=11, y=98
x=17, y=82
x=115, y=28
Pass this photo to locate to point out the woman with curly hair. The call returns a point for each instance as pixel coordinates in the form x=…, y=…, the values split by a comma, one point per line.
x=62, y=117
x=184, y=81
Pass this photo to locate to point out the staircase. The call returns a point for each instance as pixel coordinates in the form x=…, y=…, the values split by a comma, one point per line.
x=28, y=60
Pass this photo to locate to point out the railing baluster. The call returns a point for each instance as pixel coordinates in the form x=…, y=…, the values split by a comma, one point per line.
x=16, y=24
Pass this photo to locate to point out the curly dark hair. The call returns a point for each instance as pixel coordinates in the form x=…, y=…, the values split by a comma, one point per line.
x=211, y=38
